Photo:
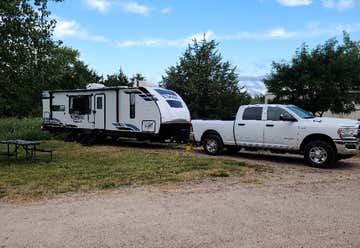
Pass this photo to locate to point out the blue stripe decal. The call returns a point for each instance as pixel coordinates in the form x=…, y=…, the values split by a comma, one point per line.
x=132, y=127
x=126, y=126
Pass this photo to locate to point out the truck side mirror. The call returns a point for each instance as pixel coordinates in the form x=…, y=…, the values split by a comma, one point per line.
x=287, y=118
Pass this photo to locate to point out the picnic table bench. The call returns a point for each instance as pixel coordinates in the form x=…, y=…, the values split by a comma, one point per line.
x=30, y=147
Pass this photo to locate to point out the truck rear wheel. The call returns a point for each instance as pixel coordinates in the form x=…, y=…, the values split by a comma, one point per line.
x=319, y=154
x=213, y=145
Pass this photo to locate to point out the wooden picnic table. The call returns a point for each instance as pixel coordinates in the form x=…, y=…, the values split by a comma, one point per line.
x=27, y=145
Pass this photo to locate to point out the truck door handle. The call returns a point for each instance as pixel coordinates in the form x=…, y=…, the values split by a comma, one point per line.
x=269, y=125
x=241, y=124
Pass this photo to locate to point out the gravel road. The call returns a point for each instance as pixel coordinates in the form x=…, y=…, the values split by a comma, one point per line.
x=295, y=206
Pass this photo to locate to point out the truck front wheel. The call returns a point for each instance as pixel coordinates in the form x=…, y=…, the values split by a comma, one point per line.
x=319, y=154
x=213, y=144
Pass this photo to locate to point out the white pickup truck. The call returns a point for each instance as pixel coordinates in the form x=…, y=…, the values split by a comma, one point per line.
x=281, y=128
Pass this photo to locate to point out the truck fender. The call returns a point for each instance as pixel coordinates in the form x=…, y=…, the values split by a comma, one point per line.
x=210, y=131
x=317, y=136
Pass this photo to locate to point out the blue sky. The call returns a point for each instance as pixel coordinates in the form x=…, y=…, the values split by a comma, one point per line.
x=149, y=36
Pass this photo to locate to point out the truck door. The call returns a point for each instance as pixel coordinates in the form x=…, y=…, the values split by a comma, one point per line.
x=249, y=127
x=99, y=111
x=279, y=133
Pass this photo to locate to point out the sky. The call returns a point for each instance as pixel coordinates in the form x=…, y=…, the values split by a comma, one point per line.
x=148, y=36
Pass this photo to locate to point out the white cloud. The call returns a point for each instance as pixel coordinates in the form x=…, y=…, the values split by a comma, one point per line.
x=253, y=84
x=310, y=30
x=166, y=10
x=71, y=29
x=100, y=5
x=338, y=4
x=126, y=6
x=135, y=8
x=294, y=3
x=160, y=42
x=279, y=33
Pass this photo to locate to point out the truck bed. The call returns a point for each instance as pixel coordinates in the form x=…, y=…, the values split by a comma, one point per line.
x=224, y=128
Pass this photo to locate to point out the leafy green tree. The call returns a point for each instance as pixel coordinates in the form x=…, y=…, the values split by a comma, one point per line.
x=320, y=79
x=66, y=71
x=117, y=79
x=30, y=61
x=209, y=86
x=135, y=79
x=25, y=42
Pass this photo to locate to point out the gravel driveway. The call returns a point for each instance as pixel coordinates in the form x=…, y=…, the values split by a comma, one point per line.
x=295, y=206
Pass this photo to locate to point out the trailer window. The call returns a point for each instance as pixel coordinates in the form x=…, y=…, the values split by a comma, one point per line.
x=252, y=113
x=166, y=93
x=174, y=104
x=132, y=105
x=80, y=105
x=59, y=108
x=99, y=102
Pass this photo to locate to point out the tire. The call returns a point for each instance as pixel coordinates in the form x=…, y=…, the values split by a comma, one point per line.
x=320, y=154
x=88, y=140
x=70, y=136
x=213, y=144
x=233, y=149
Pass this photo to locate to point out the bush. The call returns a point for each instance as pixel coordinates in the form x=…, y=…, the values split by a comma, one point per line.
x=27, y=128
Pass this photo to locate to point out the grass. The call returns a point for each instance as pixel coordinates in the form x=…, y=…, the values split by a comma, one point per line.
x=86, y=169
x=26, y=128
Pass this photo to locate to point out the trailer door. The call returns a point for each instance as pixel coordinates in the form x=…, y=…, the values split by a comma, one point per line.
x=100, y=112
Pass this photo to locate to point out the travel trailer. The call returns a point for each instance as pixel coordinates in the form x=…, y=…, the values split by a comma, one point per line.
x=145, y=113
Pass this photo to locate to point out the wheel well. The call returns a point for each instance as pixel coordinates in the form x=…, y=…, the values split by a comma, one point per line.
x=317, y=136
x=213, y=132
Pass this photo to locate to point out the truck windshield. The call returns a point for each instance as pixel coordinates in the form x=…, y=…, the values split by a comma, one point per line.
x=300, y=112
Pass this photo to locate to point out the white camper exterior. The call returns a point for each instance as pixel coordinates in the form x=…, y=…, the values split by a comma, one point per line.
x=144, y=112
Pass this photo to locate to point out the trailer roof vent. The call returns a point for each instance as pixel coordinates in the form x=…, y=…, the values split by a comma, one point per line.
x=94, y=86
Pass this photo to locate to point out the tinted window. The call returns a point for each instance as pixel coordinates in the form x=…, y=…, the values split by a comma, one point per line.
x=132, y=105
x=174, y=104
x=165, y=92
x=273, y=113
x=80, y=105
x=301, y=113
x=99, y=103
x=252, y=113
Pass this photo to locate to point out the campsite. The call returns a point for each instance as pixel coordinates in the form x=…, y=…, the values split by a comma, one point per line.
x=144, y=123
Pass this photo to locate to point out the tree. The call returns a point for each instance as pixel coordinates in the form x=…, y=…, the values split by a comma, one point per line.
x=66, y=71
x=208, y=85
x=324, y=78
x=117, y=79
x=25, y=41
x=30, y=61
x=135, y=79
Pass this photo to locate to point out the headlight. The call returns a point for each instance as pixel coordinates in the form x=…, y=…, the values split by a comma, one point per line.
x=347, y=132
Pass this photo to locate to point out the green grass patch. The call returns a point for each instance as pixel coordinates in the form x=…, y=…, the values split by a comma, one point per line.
x=26, y=128
x=83, y=169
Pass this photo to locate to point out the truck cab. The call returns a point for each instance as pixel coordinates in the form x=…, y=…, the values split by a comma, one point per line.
x=281, y=128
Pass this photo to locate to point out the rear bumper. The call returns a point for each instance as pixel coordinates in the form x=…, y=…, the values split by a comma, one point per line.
x=175, y=131
x=347, y=147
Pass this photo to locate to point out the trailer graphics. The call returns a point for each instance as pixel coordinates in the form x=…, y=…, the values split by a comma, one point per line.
x=152, y=113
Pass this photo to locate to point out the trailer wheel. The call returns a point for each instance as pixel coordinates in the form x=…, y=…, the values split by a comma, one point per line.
x=319, y=154
x=88, y=140
x=70, y=136
x=213, y=145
